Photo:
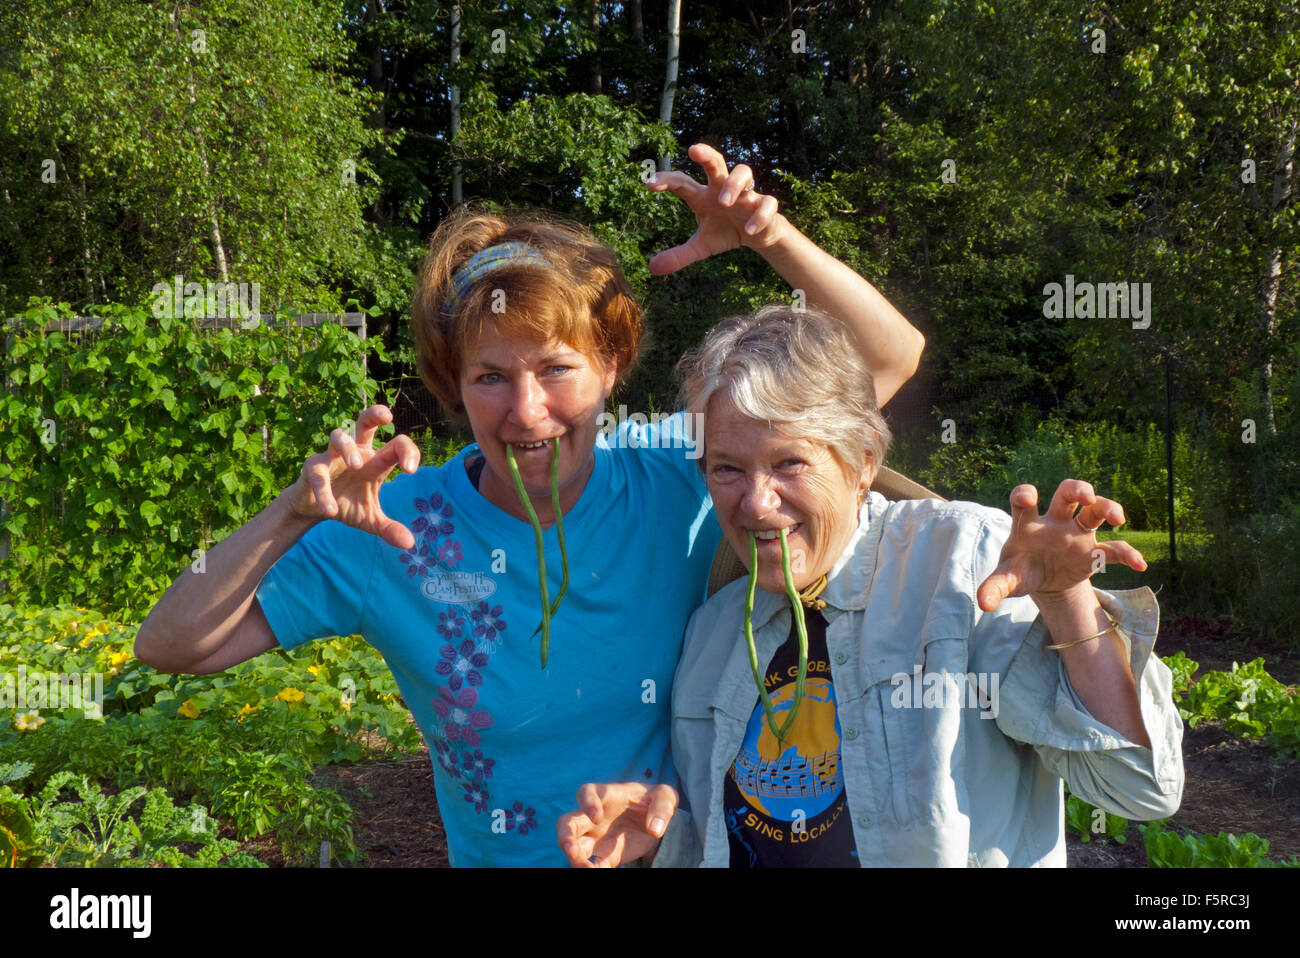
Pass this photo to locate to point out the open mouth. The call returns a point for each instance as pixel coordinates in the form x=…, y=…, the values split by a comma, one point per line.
x=774, y=534
x=532, y=446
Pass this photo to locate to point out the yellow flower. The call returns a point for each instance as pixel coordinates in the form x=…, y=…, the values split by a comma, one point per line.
x=315, y=669
x=347, y=704
x=117, y=658
x=245, y=711
x=189, y=709
x=290, y=695
x=27, y=721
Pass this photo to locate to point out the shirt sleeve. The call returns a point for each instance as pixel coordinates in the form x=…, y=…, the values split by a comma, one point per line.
x=1037, y=704
x=680, y=846
x=318, y=588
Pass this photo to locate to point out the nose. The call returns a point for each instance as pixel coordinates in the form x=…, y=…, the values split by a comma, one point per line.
x=760, y=498
x=528, y=404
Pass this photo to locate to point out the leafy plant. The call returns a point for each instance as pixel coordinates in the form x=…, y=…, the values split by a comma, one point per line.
x=1089, y=822
x=121, y=481
x=1167, y=849
x=243, y=742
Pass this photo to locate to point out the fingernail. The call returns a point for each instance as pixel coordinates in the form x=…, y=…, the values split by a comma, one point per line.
x=724, y=197
x=657, y=827
x=355, y=460
x=751, y=228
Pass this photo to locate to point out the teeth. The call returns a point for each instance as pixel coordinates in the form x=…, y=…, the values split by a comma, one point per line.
x=774, y=533
x=531, y=445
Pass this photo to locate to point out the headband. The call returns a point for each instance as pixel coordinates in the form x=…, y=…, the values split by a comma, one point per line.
x=484, y=262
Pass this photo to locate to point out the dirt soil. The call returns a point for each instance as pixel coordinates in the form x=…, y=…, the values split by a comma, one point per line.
x=1233, y=785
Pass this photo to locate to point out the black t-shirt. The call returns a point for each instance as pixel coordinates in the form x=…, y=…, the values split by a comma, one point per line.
x=784, y=802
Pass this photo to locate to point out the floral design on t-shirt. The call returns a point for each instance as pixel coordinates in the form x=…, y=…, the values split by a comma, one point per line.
x=469, y=638
x=461, y=721
x=450, y=623
x=449, y=553
x=521, y=819
x=462, y=665
x=488, y=625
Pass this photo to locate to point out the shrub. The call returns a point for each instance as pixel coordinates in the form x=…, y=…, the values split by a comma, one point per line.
x=126, y=452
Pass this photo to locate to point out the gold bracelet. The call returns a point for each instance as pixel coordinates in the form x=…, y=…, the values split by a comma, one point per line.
x=1112, y=627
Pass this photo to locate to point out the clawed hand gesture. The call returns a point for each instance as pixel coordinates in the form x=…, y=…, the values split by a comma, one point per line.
x=1052, y=557
x=728, y=212
x=343, y=482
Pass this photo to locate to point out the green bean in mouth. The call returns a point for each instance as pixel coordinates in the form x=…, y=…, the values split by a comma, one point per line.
x=548, y=609
x=800, y=628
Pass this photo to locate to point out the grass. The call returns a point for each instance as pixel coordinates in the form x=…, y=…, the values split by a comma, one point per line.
x=1154, y=546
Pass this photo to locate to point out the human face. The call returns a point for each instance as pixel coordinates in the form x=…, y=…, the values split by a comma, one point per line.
x=521, y=392
x=763, y=481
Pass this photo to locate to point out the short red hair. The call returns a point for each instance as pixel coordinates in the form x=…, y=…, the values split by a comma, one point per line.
x=583, y=301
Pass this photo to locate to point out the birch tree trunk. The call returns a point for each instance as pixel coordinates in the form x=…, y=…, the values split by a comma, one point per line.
x=670, y=77
x=457, y=196
x=1283, y=171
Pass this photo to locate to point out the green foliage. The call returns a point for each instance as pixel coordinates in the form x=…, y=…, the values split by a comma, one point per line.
x=1249, y=702
x=148, y=437
x=1183, y=669
x=1244, y=698
x=1250, y=568
x=211, y=140
x=243, y=743
x=1125, y=465
x=1167, y=849
x=1089, y=822
x=107, y=831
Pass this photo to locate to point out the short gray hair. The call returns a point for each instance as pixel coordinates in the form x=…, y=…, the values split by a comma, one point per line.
x=797, y=369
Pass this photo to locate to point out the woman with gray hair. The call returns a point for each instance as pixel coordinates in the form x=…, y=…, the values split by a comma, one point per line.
x=902, y=683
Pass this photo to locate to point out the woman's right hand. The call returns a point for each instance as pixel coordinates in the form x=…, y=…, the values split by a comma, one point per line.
x=343, y=482
x=616, y=824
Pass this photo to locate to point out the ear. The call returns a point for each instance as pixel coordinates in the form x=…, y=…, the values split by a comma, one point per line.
x=869, y=469
x=610, y=376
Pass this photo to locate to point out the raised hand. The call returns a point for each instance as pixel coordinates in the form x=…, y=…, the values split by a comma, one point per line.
x=1051, y=557
x=616, y=823
x=728, y=212
x=343, y=482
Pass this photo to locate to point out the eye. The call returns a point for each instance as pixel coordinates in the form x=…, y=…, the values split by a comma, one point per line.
x=490, y=379
x=560, y=370
x=792, y=462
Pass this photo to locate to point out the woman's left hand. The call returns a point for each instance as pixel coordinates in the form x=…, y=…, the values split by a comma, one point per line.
x=1050, y=558
x=728, y=211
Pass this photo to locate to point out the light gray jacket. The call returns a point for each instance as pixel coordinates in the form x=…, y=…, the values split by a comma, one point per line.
x=940, y=781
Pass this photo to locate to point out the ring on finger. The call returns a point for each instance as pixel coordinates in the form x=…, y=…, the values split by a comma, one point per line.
x=1079, y=523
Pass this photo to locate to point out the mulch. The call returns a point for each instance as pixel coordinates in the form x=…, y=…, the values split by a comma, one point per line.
x=1232, y=785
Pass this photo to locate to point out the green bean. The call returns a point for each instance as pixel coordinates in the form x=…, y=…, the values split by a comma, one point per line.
x=541, y=551
x=559, y=525
x=800, y=628
x=548, y=609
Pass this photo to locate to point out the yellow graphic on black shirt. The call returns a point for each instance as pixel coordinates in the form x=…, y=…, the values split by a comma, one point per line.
x=800, y=777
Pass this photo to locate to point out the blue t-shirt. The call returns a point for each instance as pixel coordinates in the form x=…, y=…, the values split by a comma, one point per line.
x=453, y=617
